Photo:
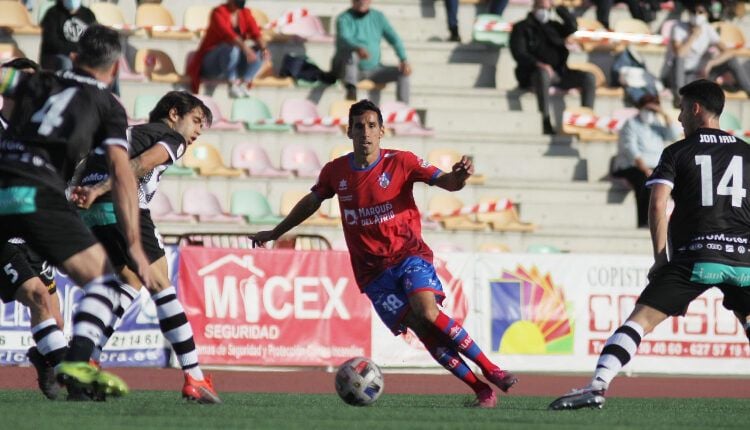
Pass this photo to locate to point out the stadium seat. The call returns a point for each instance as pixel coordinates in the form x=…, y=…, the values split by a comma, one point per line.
x=295, y=110
x=543, y=249
x=109, y=14
x=729, y=122
x=591, y=25
x=253, y=158
x=443, y=204
x=340, y=109
x=125, y=73
x=290, y=198
x=601, y=81
x=144, y=104
x=494, y=247
x=219, y=122
x=584, y=133
x=445, y=158
x=300, y=159
x=254, y=206
x=162, y=210
x=340, y=150
x=481, y=34
x=17, y=18
x=636, y=26
x=506, y=220
x=9, y=51
x=400, y=125
x=308, y=27
x=207, y=160
x=200, y=202
x=196, y=18
x=732, y=37
x=256, y=115
x=262, y=20
x=178, y=169
x=157, y=67
x=159, y=23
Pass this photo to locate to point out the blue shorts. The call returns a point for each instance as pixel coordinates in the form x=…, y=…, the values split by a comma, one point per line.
x=390, y=292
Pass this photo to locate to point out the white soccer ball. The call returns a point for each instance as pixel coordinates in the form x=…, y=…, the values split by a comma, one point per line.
x=359, y=381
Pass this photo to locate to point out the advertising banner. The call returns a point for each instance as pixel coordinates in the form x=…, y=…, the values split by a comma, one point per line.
x=273, y=307
x=555, y=312
x=137, y=341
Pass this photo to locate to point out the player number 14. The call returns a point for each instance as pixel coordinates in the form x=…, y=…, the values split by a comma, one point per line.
x=733, y=174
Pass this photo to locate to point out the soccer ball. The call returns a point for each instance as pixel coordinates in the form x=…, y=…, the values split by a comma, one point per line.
x=359, y=381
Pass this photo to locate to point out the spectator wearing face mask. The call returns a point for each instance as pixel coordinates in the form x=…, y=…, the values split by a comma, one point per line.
x=538, y=46
x=690, y=56
x=62, y=26
x=639, y=146
x=224, y=52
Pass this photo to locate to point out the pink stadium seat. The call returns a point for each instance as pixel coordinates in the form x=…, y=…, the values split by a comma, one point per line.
x=255, y=160
x=411, y=128
x=162, y=210
x=200, y=202
x=127, y=74
x=300, y=159
x=220, y=122
x=294, y=110
x=308, y=27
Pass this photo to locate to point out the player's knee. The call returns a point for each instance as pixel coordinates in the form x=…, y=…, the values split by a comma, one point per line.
x=34, y=294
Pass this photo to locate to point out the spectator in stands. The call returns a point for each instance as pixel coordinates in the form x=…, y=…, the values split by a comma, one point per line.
x=538, y=46
x=359, y=32
x=495, y=7
x=62, y=26
x=689, y=56
x=224, y=52
x=639, y=147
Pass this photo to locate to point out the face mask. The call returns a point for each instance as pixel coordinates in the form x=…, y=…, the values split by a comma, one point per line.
x=542, y=15
x=72, y=5
x=647, y=116
x=239, y=3
x=698, y=19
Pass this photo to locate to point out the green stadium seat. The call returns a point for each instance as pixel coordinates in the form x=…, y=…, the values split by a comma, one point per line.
x=728, y=121
x=252, y=111
x=144, y=103
x=499, y=38
x=254, y=207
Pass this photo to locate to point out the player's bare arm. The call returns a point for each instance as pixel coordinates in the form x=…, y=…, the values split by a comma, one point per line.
x=125, y=196
x=307, y=206
x=657, y=221
x=456, y=178
x=84, y=196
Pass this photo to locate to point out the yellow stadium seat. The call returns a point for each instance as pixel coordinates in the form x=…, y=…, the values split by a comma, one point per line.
x=445, y=158
x=159, y=23
x=157, y=66
x=506, y=220
x=17, y=18
x=443, y=204
x=207, y=160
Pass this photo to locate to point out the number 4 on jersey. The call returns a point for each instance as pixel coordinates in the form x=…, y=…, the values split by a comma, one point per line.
x=50, y=115
x=733, y=174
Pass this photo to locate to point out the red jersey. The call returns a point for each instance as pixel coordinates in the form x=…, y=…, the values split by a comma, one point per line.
x=382, y=225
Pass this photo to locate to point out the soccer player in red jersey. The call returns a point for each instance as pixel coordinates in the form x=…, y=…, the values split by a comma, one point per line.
x=391, y=262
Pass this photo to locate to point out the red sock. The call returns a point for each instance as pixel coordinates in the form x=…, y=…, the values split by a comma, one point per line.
x=463, y=343
x=451, y=361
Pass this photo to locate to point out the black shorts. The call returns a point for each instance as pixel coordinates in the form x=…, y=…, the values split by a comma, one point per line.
x=672, y=288
x=113, y=239
x=19, y=264
x=48, y=223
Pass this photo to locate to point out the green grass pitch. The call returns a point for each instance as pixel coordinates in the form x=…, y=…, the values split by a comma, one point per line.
x=165, y=410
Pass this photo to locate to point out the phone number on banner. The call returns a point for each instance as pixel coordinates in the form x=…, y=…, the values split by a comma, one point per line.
x=684, y=349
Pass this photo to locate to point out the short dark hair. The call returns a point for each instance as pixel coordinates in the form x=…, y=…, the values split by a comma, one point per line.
x=22, y=63
x=183, y=101
x=706, y=93
x=363, y=106
x=99, y=47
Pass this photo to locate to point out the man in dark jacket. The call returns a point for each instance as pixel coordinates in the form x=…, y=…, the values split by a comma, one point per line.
x=538, y=46
x=62, y=26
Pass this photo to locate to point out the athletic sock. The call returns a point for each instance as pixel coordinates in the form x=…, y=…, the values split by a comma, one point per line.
x=617, y=352
x=176, y=328
x=50, y=341
x=452, y=361
x=100, y=299
x=128, y=295
x=463, y=343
